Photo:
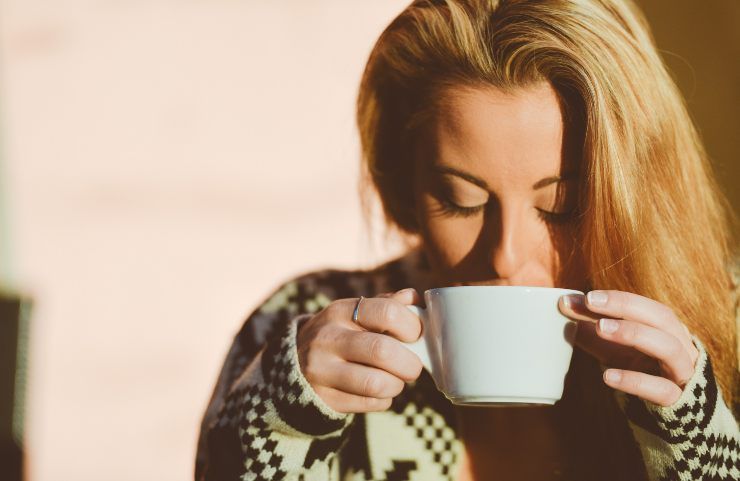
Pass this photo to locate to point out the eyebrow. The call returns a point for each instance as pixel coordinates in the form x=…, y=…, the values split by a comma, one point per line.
x=443, y=169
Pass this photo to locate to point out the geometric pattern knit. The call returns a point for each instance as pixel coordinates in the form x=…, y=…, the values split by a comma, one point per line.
x=265, y=422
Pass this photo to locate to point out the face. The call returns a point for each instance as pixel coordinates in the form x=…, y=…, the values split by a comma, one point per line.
x=496, y=190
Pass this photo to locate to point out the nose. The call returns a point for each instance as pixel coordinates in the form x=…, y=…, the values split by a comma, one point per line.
x=510, y=242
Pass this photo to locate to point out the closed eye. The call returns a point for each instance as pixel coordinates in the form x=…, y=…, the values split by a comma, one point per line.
x=555, y=217
x=455, y=210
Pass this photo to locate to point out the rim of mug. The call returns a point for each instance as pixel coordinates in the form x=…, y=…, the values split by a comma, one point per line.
x=564, y=290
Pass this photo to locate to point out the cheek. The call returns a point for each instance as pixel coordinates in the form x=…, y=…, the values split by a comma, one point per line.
x=569, y=265
x=448, y=238
x=452, y=239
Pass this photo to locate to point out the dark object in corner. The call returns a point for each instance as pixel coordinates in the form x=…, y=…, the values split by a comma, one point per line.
x=13, y=376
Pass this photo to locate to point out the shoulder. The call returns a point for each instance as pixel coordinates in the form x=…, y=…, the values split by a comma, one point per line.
x=310, y=292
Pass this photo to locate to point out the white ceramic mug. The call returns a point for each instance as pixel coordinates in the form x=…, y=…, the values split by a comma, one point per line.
x=496, y=345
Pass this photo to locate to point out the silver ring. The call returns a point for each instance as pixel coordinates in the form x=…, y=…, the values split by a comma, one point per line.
x=356, y=312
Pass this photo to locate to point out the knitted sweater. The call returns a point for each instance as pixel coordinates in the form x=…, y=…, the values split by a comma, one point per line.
x=265, y=422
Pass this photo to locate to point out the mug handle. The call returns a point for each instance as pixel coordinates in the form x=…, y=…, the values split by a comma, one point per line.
x=420, y=347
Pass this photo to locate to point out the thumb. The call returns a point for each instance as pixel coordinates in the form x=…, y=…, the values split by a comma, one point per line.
x=407, y=296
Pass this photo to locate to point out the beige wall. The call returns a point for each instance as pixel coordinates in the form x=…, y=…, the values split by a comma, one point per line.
x=700, y=42
x=168, y=163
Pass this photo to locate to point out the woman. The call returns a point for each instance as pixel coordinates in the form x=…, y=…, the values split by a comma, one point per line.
x=520, y=143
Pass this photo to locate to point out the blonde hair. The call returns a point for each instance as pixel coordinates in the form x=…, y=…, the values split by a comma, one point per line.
x=653, y=219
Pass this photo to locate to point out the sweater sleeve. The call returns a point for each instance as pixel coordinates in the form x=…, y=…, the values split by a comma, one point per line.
x=697, y=438
x=265, y=421
x=285, y=429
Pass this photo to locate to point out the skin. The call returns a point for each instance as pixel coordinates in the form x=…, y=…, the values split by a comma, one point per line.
x=482, y=221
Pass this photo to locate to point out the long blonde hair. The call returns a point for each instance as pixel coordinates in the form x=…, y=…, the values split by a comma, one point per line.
x=653, y=219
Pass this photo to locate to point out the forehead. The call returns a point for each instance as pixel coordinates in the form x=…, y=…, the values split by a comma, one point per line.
x=501, y=136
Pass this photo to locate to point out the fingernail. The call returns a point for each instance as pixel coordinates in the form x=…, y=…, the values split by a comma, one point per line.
x=571, y=301
x=404, y=290
x=608, y=325
x=597, y=298
x=612, y=376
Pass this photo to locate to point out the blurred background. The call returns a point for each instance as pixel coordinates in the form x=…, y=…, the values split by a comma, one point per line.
x=165, y=164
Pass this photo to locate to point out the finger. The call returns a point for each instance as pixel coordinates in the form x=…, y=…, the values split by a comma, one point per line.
x=655, y=389
x=359, y=379
x=604, y=351
x=351, y=403
x=380, y=351
x=574, y=306
x=660, y=345
x=407, y=296
x=386, y=316
x=634, y=307
x=610, y=353
x=613, y=354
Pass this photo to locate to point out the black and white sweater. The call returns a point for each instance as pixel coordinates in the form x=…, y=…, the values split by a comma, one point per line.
x=265, y=422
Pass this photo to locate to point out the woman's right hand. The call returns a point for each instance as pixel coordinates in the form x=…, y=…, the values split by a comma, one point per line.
x=361, y=367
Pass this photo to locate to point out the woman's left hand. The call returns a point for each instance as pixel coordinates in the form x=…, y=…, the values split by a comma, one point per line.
x=648, y=350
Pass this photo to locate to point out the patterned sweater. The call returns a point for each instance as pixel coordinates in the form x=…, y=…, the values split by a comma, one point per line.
x=265, y=422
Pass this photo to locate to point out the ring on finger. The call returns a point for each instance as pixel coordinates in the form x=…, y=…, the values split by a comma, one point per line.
x=356, y=312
